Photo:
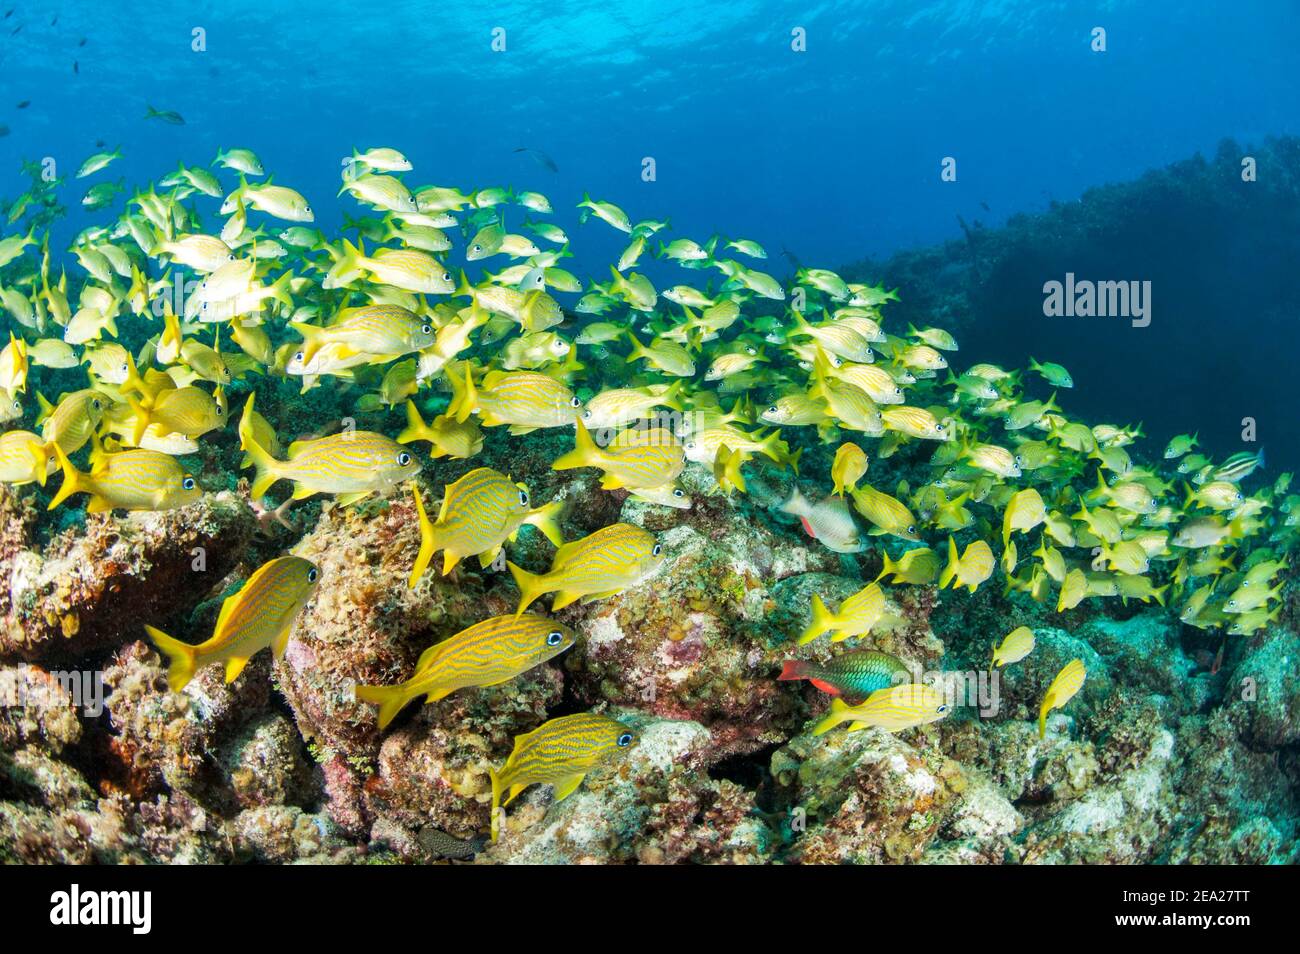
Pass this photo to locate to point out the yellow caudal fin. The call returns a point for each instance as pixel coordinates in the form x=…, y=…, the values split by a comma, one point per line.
x=428, y=540
x=822, y=620
x=950, y=571
x=839, y=713
x=142, y=419
x=182, y=658
x=585, y=453
x=416, y=429
x=265, y=465
x=74, y=481
x=311, y=339
x=547, y=520
x=531, y=586
x=464, y=398
x=889, y=567
x=390, y=699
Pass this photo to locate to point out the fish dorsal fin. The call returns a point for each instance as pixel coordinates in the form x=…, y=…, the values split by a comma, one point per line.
x=429, y=657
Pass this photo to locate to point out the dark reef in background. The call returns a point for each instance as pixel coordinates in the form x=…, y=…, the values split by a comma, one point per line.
x=1223, y=257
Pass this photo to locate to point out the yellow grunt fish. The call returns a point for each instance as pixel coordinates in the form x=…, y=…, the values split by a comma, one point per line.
x=893, y=709
x=485, y=654
x=596, y=567
x=1063, y=688
x=258, y=616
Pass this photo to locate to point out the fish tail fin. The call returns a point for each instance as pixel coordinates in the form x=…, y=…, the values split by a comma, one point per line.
x=182, y=658
x=142, y=419
x=531, y=585
x=950, y=571
x=464, y=398
x=74, y=481
x=585, y=453
x=428, y=540
x=416, y=429
x=311, y=339
x=265, y=465
x=889, y=567
x=839, y=713
x=1159, y=593
x=793, y=670
x=822, y=620
x=547, y=520
x=390, y=699
x=46, y=408
x=1045, y=708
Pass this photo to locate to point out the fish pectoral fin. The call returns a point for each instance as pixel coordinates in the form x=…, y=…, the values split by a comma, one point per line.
x=234, y=666
x=302, y=492
x=280, y=643
x=567, y=786
x=603, y=595
x=347, y=500
x=99, y=505
x=563, y=598
x=514, y=793
x=486, y=558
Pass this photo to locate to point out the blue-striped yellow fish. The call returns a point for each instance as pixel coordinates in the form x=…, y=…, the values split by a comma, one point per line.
x=848, y=468
x=638, y=457
x=1015, y=646
x=259, y=615
x=374, y=329
x=970, y=569
x=524, y=400
x=351, y=465
x=24, y=458
x=479, y=513
x=71, y=422
x=127, y=480
x=1063, y=688
x=854, y=617
x=892, y=709
x=597, y=566
x=486, y=654
x=560, y=753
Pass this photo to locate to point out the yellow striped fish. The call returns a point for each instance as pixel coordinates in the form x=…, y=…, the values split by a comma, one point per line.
x=639, y=457
x=560, y=753
x=446, y=436
x=890, y=515
x=1024, y=512
x=597, y=566
x=129, y=480
x=848, y=468
x=525, y=400
x=24, y=458
x=971, y=569
x=73, y=420
x=486, y=654
x=259, y=615
x=1015, y=646
x=189, y=411
x=351, y=465
x=854, y=617
x=374, y=329
x=1063, y=688
x=479, y=513
x=893, y=709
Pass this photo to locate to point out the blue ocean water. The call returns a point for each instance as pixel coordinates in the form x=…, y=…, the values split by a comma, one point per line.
x=826, y=155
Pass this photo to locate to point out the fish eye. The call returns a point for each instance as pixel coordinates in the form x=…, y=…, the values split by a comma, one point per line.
x=523, y=497
x=125, y=368
x=446, y=276
x=554, y=638
x=188, y=483
x=476, y=248
x=624, y=740
x=938, y=427
x=297, y=356
x=403, y=459
x=96, y=405
x=678, y=492
x=657, y=549
x=911, y=529
x=426, y=329
x=772, y=409
x=312, y=574
x=575, y=403
x=942, y=709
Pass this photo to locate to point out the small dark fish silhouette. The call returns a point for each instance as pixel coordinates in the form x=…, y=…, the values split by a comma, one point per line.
x=16, y=30
x=10, y=12
x=76, y=67
x=99, y=144
x=169, y=116
x=542, y=159
x=4, y=131
x=438, y=842
x=24, y=104
x=81, y=42
x=55, y=21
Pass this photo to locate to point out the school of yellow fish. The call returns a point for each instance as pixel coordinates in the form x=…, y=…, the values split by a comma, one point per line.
x=722, y=371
